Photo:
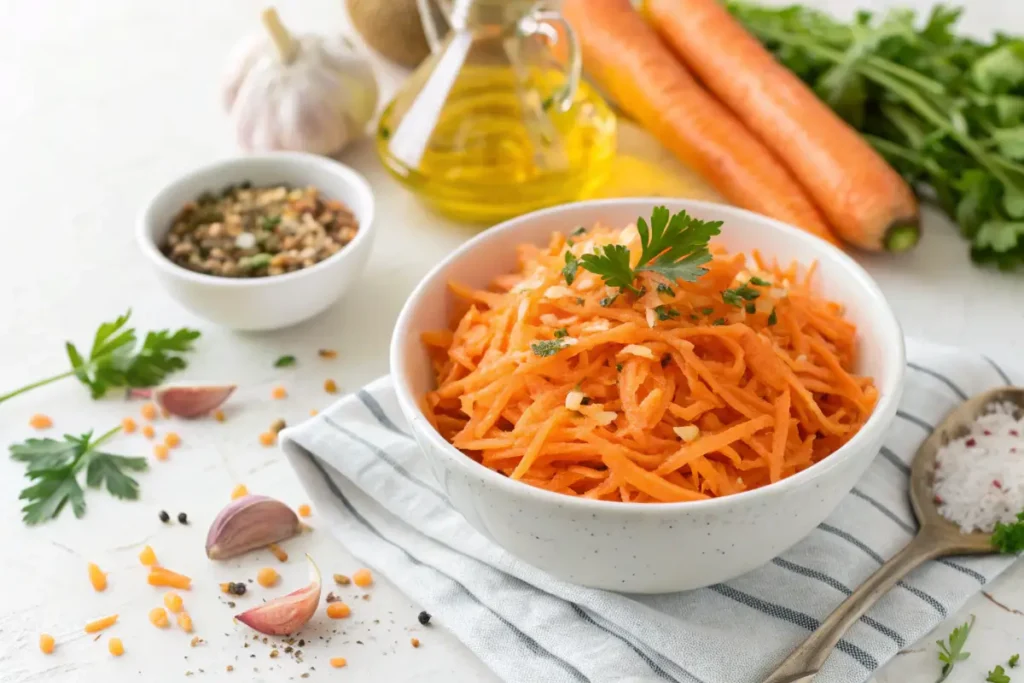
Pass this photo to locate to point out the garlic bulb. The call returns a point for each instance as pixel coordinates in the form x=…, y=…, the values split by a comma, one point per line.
x=308, y=93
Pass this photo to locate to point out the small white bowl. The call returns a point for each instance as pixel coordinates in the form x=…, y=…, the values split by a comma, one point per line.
x=276, y=301
x=647, y=547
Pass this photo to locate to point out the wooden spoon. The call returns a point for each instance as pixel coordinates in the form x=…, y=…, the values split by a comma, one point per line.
x=936, y=537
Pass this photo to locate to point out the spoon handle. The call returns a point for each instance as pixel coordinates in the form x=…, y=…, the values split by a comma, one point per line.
x=808, y=658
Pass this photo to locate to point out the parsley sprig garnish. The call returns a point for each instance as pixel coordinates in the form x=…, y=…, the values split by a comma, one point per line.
x=997, y=675
x=673, y=246
x=953, y=652
x=1009, y=538
x=54, y=465
x=116, y=358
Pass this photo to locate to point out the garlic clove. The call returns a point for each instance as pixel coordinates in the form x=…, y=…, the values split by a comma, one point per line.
x=248, y=523
x=289, y=613
x=187, y=400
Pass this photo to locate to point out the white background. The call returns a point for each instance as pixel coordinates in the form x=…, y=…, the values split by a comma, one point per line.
x=100, y=103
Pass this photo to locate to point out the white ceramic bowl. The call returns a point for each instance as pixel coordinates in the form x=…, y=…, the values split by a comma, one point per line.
x=276, y=301
x=637, y=547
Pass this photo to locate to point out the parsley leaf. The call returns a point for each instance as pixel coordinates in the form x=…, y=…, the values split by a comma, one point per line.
x=719, y=321
x=772, y=318
x=997, y=675
x=759, y=282
x=549, y=347
x=1013, y=660
x=1009, y=538
x=739, y=295
x=751, y=308
x=951, y=653
x=561, y=333
x=571, y=265
x=707, y=311
x=674, y=246
x=666, y=312
x=665, y=289
x=578, y=231
x=53, y=465
x=285, y=362
x=116, y=359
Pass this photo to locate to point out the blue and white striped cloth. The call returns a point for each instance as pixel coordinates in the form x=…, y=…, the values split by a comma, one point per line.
x=370, y=485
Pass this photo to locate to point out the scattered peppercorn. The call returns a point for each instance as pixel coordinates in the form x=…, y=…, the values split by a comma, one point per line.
x=236, y=588
x=182, y=518
x=164, y=517
x=424, y=617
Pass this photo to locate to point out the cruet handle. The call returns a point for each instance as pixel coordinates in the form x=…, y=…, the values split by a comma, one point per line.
x=430, y=29
x=547, y=23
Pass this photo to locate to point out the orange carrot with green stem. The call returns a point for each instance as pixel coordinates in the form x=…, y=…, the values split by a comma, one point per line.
x=627, y=59
x=864, y=199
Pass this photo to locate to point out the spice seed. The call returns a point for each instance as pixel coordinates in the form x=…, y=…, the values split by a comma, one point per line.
x=342, y=580
x=424, y=617
x=182, y=518
x=164, y=517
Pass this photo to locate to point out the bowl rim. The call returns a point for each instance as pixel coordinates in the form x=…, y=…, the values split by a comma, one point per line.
x=229, y=164
x=877, y=422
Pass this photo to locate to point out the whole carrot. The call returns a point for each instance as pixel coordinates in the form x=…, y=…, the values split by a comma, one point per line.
x=864, y=199
x=627, y=59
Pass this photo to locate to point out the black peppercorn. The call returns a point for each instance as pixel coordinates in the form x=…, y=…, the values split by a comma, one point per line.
x=164, y=517
x=236, y=588
x=424, y=618
x=182, y=518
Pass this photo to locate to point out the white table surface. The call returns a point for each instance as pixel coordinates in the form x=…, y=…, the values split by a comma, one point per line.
x=102, y=102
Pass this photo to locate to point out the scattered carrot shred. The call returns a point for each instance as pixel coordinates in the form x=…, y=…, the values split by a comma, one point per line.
x=128, y=425
x=268, y=438
x=328, y=354
x=330, y=386
x=338, y=662
x=115, y=647
x=239, y=491
x=682, y=392
x=185, y=622
x=218, y=415
x=158, y=576
x=267, y=577
x=304, y=510
x=158, y=617
x=148, y=431
x=46, y=643
x=278, y=393
x=148, y=411
x=97, y=577
x=172, y=439
x=161, y=451
x=147, y=556
x=278, y=552
x=362, y=578
x=172, y=601
x=100, y=624
x=338, y=610
x=40, y=421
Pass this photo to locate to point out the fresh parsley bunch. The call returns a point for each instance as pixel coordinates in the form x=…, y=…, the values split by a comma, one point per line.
x=117, y=359
x=54, y=465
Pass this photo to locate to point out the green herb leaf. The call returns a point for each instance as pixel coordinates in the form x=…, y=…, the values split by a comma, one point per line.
x=285, y=362
x=666, y=312
x=759, y=282
x=104, y=467
x=611, y=262
x=1013, y=661
x=561, y=333
x=751, y=308
x=707, y=311
x=270, y=222
x=719, y=321
x=772, y=318
x=548, y=348
x=997, y=675
x=739, y=295
x=665, y=289
x=571, y=265
x=579, y=231
x=952, y=652
x=1009, y=538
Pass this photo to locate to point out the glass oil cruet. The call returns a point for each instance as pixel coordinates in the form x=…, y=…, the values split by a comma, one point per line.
x=497, y=121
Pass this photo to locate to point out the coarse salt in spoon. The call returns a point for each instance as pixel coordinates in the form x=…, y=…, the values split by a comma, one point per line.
x=936, y=537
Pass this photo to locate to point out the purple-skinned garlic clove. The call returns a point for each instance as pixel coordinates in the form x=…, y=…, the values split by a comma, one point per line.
x=287, y=614
x=248, y=523
x=187, y=400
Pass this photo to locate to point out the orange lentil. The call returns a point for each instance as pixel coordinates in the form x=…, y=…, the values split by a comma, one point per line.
x=329, y=354
x=415, y=642
x=158, y=576
x=172, y=601
x=46, y=643
x=100, y=624
x=362, y=578
x=239, y=491
x=304, y=510
x=313, y=412
x=218, y=415
x=268, y=438
x=338, y=610
x=158, y=617
x=225, y=587
x=148, y=431
x=172, y=439
x=115, y=647
x=278, y=551
x=330, y=386
x=161, y=452
x=278, y=393
x=185, y=622
x=39, y=421
x=128, y=425
x=97, y=578
x=148, y=411
x=147, y=556
x=267, y=577
x=338, y=662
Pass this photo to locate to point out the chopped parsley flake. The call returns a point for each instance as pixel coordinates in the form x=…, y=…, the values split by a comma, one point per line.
x=772, y=318
x=561, y=333
x=759, y=282
x=751, y=308
x=665, y=289
x=720, y=321
x=548, y=348
x=666, y=312
x=572, y=264
x=739, y=295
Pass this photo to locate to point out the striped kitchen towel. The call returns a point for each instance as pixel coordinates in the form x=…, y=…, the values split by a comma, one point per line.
x=370, y=485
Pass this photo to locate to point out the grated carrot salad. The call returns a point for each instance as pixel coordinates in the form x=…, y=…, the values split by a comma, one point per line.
x=681, y=393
